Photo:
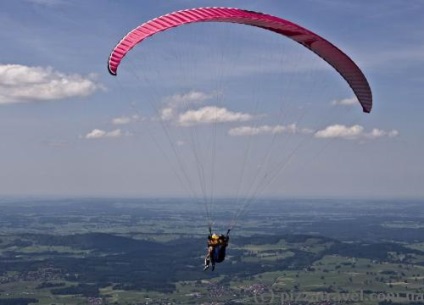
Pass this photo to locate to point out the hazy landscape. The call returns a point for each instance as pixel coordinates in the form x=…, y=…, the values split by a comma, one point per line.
x=150, y=251
x=244, y=115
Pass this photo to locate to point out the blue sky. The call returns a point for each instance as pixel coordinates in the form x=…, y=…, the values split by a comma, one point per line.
x=69, y=128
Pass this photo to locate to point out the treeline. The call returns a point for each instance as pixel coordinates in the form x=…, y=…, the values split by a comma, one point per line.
x=397, y=303
x=365, y=228
x=377, y=251
x=100, y=242
x=82, y=289
x=18, y=301
x=130, y=264
x=273, y=239
x=50, y=285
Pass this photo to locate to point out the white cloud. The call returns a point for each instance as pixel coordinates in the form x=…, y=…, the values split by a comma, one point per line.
x=99, y=134
x=340, y=131
x=20, y=84
x=177, y=106
x=346, y=102
x=189, y=98
x=124, y=120
x=353, y=132
x=177, y=101
x=378, y=133
x=167, y=113
x=335, y=131
x=211, y=114
x=266, y=129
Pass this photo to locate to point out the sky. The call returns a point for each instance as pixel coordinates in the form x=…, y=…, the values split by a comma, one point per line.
x=209, y=110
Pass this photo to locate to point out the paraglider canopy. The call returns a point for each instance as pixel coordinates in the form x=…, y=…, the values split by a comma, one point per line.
x=320, y=46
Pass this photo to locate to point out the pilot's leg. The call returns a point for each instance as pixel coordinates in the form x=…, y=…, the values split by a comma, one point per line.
x=208, y=258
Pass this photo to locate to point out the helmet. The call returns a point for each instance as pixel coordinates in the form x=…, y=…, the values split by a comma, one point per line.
x=215, y=236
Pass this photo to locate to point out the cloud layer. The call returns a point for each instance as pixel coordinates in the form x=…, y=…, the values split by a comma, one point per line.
x=267, y=129
x=19, y=84
x=211, y=114
x=176, y=102
x=99, y=134
x=346, y=102
x=353, y=133
x=177, y=109
x=124, y=120
x=337, y=131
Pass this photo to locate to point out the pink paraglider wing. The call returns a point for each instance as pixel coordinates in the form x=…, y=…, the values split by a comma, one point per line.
x=320, y=46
